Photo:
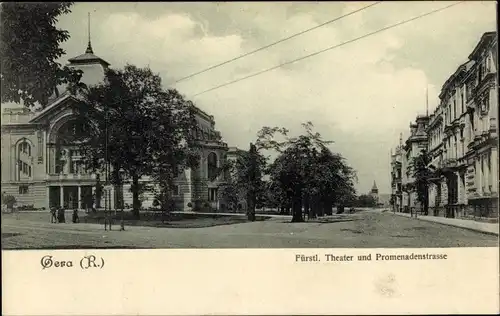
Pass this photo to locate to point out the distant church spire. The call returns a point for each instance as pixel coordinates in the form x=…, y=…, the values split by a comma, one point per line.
x=374, y=188
x=89, y=46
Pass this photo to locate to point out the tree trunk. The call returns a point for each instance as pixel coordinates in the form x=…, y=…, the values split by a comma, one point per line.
x=307, y=206
x=251, y=206
x=98, y=192
x=327, y=206
x=297, y=208
x=316, y=209
x=321, y=206
x=426, y=201
x=135, y=196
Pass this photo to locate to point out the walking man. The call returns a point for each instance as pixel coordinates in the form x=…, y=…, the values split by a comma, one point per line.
x=107, y=219
x=53, y=216
x=61, y=215
x=75, y=218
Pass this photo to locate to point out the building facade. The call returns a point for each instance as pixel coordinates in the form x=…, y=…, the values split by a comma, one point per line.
x=396, y=178
x=41, y=170
x=461, y=139
x=411, y=149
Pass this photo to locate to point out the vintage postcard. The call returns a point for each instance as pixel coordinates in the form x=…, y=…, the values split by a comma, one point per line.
x=194, y=158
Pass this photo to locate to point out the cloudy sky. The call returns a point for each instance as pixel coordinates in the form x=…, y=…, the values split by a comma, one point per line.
x=360, y=95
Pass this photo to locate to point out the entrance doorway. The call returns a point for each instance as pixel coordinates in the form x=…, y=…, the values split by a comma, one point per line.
x=70, y=198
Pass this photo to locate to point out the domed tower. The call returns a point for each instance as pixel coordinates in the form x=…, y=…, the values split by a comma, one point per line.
x=93, y=67
x=374, y=192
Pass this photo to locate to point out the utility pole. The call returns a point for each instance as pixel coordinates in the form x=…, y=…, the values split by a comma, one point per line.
x=427, y=100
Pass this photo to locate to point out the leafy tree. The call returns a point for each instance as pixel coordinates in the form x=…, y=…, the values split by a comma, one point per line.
x=172, y=143
x=8, y=200
x=334, y=181
x=365, y=200
x=30, y=48
x=247, y=177
x=422, y=175
x=229, y=193
x=138, y=129
x=309, y=173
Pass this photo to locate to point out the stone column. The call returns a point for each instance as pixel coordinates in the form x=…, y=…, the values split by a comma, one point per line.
x=94, y=201
x=486, y=174
x=478, y=179
x=79, y=197
x=494, y=170
x=483, y=172
x=111, y=198
x=47, y=198
x=459, y=187
x=61, y=196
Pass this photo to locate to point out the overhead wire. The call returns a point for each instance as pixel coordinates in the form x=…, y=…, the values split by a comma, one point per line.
x=275, y=43
x=329, y=48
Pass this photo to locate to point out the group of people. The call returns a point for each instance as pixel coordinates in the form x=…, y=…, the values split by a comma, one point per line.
x=58, y=215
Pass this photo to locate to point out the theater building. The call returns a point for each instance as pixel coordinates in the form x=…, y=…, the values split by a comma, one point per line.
x=41, y=170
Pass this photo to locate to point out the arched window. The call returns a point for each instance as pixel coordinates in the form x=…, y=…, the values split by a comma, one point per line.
x=212, y=166
x=67, y=155
x=73, y=131
x=24, y=161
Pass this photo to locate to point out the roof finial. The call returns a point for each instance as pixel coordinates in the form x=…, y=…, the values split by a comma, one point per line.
x=89, y=46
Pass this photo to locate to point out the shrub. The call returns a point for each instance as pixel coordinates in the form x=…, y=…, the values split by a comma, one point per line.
x=9, y=200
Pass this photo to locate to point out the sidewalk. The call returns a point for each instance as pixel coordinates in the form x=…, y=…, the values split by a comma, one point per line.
x=486, y=228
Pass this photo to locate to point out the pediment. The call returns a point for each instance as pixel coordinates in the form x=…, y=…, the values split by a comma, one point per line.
x=56, y=109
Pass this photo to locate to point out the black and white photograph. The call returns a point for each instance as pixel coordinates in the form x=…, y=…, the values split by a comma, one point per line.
x=249, y=158
x=249, y=125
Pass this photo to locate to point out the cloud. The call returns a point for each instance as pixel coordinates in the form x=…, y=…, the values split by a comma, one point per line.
x=361, y=95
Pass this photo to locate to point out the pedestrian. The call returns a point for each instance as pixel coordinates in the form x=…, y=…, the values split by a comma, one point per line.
x=53, y=215
x=107, y=219
x=76, y=219
x=60, y=215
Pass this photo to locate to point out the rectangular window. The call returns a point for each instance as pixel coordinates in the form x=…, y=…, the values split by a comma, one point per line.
x=212, y=194
x=462, y=101
x=175, y=190
x=23, y=189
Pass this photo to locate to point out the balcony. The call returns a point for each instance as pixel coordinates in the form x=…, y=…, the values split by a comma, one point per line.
x=449, y=163
x=487, y=79
x=70, y=177
x=210, y=143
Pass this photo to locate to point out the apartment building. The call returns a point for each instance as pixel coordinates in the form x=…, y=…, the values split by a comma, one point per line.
x=396, y=178
x=462, y=140
x=411, y=149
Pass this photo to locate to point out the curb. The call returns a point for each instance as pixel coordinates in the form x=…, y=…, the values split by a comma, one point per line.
x=452, y=225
